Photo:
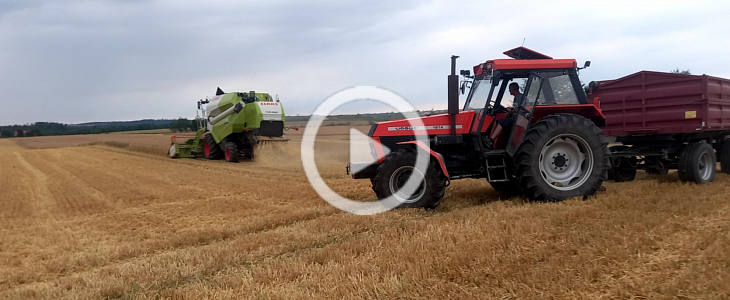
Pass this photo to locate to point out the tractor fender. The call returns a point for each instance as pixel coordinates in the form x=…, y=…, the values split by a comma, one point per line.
x=436, y=155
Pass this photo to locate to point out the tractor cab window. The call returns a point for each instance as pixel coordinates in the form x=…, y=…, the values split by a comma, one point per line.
x=508, y=99
x=533, y=94
x=558, y=90
x=478, y=94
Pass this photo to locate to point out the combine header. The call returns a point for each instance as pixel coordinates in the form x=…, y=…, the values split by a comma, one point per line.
x=232, y=124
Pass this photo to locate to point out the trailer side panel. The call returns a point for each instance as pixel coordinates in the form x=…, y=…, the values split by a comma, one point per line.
x=648, y=103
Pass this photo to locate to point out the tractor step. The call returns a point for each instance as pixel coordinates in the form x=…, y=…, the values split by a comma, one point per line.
x=496, y=165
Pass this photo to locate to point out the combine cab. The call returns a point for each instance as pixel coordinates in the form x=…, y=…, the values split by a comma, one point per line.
x=233, y=124
x=548, y=145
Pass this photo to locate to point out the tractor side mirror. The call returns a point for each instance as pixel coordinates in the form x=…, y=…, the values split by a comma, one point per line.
x=465, y=73
x=585, y=65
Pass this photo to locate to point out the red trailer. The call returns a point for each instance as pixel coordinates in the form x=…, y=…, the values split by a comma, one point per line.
x=665, y=121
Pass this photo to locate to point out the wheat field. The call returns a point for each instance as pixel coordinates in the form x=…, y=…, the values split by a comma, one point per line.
x=110, y=216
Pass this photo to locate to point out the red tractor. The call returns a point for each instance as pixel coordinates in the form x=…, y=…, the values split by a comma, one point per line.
x=547, y=144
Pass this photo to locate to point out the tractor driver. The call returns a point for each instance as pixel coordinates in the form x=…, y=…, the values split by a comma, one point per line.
x=514, y=90
x=506, y=124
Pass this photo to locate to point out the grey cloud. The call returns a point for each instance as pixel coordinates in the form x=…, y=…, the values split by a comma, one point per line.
x=105, y=60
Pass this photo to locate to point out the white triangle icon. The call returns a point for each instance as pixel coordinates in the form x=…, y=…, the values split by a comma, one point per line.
x=361, y=155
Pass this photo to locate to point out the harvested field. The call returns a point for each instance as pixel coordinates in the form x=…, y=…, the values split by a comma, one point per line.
x=107, y=216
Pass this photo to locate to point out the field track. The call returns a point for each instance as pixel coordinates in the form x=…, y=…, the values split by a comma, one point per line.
x=122, y=220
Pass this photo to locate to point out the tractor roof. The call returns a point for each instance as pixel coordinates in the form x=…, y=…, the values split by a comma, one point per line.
x=524, y=59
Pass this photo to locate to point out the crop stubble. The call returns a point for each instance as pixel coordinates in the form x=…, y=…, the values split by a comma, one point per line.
x=115, y=218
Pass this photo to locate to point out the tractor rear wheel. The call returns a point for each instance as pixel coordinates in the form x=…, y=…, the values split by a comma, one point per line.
x=562, y=156
x=724, y=156
x=211, y=150
x=697, y=163
x=230, y=151
x=395, y=171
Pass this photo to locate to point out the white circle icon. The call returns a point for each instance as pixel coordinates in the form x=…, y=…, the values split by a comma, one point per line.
x=329, y=105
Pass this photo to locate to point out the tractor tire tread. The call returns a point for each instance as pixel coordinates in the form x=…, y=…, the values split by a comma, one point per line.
x=435, y=185
x=527, y=152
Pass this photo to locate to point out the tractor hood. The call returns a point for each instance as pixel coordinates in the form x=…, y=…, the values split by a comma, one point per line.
x=432, y=125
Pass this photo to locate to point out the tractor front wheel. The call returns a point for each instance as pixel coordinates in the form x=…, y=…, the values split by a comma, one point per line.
x=210, y=148
x=396, y=169
x=562, y=156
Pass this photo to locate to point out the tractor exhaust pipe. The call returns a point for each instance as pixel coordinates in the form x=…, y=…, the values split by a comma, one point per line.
x=453, y=96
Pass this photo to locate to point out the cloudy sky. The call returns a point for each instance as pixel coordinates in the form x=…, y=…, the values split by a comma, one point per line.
x=78, y=61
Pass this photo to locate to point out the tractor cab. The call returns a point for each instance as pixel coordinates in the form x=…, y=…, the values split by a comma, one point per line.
x=543, y=82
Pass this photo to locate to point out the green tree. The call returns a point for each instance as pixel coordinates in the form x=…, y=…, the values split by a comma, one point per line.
x=180, y=124
x=683, y=72
x=34, y=132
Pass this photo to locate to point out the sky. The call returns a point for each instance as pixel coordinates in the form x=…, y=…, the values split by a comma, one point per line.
x=82, y=61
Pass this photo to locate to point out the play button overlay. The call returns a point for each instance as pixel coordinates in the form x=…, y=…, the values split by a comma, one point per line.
x=362, y=154
x=360, y=148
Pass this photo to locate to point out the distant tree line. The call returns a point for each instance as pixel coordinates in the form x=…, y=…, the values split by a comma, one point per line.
x=183, y=124
x=180, y=124
x=51, y=128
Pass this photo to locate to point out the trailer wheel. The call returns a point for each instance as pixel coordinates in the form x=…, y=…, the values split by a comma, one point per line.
x=725, y=156
x=230, y=151
x=211, y=150
x=697, y=163
x=562, y=156
x=395, y=171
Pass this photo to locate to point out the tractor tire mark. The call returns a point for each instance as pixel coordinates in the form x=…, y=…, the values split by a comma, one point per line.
x=43, y=199
x=163, y=251
x=81, y=183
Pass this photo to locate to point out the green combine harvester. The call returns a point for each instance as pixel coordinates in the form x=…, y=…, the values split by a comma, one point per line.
x=231, y=126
